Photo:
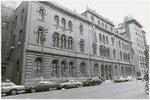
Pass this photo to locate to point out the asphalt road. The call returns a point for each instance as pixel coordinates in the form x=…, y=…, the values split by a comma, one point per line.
x=125, y=90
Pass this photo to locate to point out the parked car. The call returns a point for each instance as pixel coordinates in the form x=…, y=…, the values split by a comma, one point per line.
x=126, y=78
x=139, y=77
x=130, y=78
x=68, y=84
x=92, y=81
x=40, y=86
x=119, y=79
x=10, y=88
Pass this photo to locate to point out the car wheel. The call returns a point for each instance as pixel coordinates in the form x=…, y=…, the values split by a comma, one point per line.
x=13, y=92
x=78, y=86
x=33, y=90
x=64, y=87
x=50, y=89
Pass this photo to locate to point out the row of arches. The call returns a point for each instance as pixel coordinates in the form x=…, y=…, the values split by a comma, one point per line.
x=66, y=69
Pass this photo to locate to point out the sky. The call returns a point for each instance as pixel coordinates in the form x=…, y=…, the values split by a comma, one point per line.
x=114, y=10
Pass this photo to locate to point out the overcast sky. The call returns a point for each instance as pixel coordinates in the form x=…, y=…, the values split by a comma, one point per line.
x=114, y=10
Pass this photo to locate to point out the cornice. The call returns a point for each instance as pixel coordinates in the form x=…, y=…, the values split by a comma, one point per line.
x=135, y=21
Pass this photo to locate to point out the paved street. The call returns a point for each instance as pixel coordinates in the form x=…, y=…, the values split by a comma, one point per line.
x=125, y=90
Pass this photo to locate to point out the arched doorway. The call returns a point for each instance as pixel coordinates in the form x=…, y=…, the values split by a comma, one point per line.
x=107, y=72
x=116, y=73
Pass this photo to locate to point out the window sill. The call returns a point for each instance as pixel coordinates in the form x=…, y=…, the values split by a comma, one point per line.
x=40, y=20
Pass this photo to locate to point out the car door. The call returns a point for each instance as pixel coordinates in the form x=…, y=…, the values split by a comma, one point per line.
x=40, y=87
x=6, y=87
x=46, y=85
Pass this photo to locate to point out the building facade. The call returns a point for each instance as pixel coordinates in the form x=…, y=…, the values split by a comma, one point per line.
x=7, y=12
x=55, y=43
x=132, y=28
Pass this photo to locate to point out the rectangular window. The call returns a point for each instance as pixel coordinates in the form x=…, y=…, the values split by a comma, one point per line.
x=15, y=22
x=22, y=14
x=13, y=42
x=20, y=35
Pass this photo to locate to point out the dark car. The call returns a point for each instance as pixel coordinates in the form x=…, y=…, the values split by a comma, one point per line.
x=92, y=81
x=40, y=86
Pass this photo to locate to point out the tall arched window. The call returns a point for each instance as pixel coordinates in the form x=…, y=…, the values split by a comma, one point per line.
x=124, y=56
x=103, y=38
x=56, y=40
x=94, y=49
x=63, y=42
x=63, y=68
x=56, y=19
x=113, y=40
x=63, y=21
x=104, y=51
x=70, y=26
x=70, y=43
x=101, y=50
x=55, y=69
x=108, y=52
x=119, y=44
x=98, y=22
x=71, y=69
x=114, y=53
x=121, y=55
x=81, y=29
x=95, y=70
x=123, y=45
x=100, y=37
x=106, y=39
x=38, y=66
x=40, y=32
x=41, y=13
x=81, y=45
x=82, y=69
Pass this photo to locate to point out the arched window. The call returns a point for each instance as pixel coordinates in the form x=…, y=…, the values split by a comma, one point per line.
x=104, y=51
x=123, y=45
x=106, y=39
x=40, y=32
x=63, y=42
x=103, y=38
x=81, y=29
x=38, y=66
x=121, y=55
x=63, y=68
x=56, y=40
x=41, y=13
x=96, y=70
x=100, y=37
x=105, y=26
x=98, y=22
x=94, y=49
x=101, y=50
x=113, y=40
x=108, y=52
x=70, y=26
x=81, y=45
x=71, y=69
x=102, y=24
x=119, y=44
x=56, y=19
x=114, y=53
x=63, y=21
x=55, y=69
x=124, y=56
x=70, y=43
x=82, y=69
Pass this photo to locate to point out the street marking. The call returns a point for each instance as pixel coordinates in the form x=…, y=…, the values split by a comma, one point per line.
x=121, y=90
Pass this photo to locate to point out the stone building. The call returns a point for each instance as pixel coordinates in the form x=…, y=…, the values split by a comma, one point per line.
x=7, y=12
x=132, y=28
x=55, y=43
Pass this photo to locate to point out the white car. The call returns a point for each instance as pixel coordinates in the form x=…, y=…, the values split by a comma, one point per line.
x=130, y=78
x=11, y=88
